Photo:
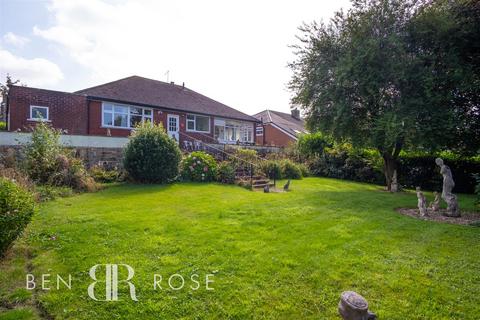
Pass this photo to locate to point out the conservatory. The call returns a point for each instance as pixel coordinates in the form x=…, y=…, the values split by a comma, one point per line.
x=232, y=131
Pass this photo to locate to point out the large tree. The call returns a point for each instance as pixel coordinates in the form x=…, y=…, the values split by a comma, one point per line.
x=393, y=75
x=3, y=95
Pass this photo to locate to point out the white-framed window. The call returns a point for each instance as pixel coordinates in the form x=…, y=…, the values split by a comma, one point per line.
x=124, y=116
x=248, y=133
x=197, y=123
x=39, y=113
x=230, y=131
x=259, y=130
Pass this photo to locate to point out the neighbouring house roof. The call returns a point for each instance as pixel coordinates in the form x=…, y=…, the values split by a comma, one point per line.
x=139, y=90
x=284, y=121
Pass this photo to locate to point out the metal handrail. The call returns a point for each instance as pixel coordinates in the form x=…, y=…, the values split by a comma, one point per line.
x=222, y=151
x=231, y=155
x=213, y=139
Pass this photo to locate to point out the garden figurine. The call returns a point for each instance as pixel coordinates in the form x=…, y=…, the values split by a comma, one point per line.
x=448, y=185
x=435, y=204
x=353, y=306
x=394, y=184
x=422, y=202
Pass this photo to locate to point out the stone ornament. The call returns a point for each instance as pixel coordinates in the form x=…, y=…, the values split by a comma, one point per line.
x=448, y=185
x=422, y=202
x=394, y=184
x=435, y=204
x=353, y=306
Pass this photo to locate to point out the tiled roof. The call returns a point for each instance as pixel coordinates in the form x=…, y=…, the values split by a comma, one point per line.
x=139, y=90
x=285, y=121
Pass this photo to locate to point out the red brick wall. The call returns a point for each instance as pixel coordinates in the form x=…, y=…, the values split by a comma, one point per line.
x=75, y=114
x=258, y=138
x=159, y=116
x=67, y=111
x=95, y=125
x=275, y=137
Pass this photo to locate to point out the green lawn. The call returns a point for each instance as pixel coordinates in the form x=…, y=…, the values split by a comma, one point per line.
x=274, y=256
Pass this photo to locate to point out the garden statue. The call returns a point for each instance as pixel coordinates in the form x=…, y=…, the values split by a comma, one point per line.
x=448, y=185
x=422, y=202
x=266, y=188
x=353, y=306
x=286, y=186
x=394, y=184
x=435, y=204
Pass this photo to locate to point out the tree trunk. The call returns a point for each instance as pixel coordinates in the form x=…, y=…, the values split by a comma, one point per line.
x=389, y=166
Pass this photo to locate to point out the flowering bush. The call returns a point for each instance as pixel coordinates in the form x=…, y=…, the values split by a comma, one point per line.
x=199, y=166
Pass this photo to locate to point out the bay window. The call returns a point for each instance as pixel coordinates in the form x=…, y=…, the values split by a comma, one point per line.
x=123, y=116
x=198, y=123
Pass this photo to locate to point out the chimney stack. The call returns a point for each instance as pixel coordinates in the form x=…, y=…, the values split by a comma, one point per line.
x=296, y=113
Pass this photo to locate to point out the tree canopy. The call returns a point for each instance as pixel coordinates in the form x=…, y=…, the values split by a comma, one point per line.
x=393, y=75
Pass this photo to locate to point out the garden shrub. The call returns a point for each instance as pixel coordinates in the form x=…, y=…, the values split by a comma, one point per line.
x=17, y=176
x=312, y=144
x=102, y=175
x=199, y=166
x=151, y=156
x=226, y=172
x=421, y=170
x=303, y=169
x=16, y=210
x=342, y=161
x=41, y=153
x=47, y=192
x=48, y=163
x=3, y=126
x=272, y=169
x=244, y=159
x=290, y=170
x=70, y=171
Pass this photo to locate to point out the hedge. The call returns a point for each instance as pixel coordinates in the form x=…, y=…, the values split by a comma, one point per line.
x=422, y=171
x=413, y=170
x=16, y=209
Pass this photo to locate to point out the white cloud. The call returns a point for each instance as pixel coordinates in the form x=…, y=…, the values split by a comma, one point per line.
x=37, y=72
x=15, y=40
x=235, y=52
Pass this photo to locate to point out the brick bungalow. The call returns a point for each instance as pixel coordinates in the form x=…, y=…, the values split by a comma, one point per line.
x=279, y=129
x=114, y=108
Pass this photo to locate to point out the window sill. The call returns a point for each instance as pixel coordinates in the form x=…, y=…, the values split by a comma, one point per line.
x=38, y=120
x=113, y=127
x=195, y=131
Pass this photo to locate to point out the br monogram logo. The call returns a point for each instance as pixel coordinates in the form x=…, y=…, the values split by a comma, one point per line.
x=111, y=281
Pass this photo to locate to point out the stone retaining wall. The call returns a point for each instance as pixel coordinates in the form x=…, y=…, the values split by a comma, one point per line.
x=107, y=151
x=91, y=156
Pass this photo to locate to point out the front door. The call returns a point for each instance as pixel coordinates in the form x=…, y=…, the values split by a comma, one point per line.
x=173, y=127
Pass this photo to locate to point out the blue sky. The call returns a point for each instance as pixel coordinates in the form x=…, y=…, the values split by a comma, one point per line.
x=233, y=51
